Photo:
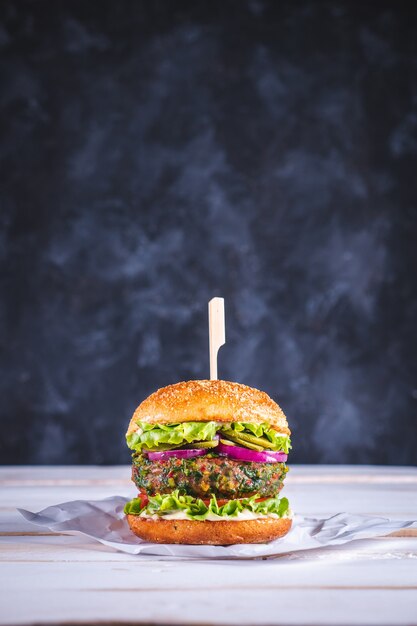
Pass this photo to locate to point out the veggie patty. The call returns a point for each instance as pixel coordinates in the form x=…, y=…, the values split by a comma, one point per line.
x=210, y=474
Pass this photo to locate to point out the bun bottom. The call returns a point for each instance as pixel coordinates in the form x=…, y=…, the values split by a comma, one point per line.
x=193, y=532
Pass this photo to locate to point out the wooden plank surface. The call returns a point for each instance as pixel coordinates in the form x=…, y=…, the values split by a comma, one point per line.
x=56, y=578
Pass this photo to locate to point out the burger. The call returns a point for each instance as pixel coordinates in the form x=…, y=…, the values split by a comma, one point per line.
x=209, y=462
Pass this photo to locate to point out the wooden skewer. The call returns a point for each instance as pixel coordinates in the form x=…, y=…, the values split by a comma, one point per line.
x=217, y=334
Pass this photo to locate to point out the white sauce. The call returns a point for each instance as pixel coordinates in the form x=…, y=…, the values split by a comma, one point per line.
x=212, y=517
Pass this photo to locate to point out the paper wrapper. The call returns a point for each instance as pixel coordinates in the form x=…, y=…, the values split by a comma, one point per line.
x=104, y=521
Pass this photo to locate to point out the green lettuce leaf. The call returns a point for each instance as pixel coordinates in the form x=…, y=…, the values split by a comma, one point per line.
x=196, y=509
x=165, y=436
x=156, y=436
x=134, y=506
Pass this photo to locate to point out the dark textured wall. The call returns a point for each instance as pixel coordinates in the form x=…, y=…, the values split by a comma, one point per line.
x=155, y=154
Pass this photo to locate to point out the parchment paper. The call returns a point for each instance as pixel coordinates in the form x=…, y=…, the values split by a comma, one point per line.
x=104, y=521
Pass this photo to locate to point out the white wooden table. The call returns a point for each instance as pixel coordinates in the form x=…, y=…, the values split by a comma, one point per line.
x=55, y=578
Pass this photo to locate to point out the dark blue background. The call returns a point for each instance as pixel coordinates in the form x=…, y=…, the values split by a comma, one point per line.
x=155, y=154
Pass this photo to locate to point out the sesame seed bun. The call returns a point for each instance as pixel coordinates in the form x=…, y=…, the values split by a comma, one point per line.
x=222, y=533
x=209, y=400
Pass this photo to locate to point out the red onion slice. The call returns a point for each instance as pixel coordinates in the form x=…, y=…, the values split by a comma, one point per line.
x=244, y=454
x=180, y=454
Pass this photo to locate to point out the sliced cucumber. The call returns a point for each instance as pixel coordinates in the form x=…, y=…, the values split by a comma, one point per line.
x=204, y=444
x=163, y=447
x=226, y=442
x=240, y=442
x=258, y=441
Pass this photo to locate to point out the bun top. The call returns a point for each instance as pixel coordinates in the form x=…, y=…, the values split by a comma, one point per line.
x=209, y=400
